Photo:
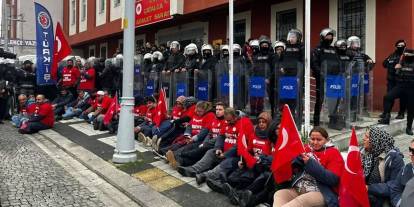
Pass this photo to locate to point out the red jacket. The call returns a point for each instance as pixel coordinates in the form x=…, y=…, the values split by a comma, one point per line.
x=177, y=112
x=216, y=126
x=197, y=123
x=105, y=103
x=88, y=84
x=330, y=158
x=70, y=76
x=151, y=113
x=46, y=111
x=140, y=110
x=231, y=132
x=255, y=146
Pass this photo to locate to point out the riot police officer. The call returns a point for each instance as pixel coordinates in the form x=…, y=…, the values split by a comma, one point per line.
x=207, y=66
x=147, y=64
x=176, y=59
x=404, y=87
x=7, y=80
x=324, y=52
x=26, y=79
x=389, y=64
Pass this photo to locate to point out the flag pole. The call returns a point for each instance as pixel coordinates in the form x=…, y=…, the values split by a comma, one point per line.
x=125, y=146
x=231, y=81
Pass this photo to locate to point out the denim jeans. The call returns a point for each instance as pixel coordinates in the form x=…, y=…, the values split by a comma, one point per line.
x=18, y=119
x=71, y=112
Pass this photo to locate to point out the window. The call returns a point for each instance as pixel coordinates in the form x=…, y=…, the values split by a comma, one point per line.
x=285, y=21
x=73, y=19
x=103, y=50
x=117, y=3
x=351, y=19
x=91, y=52
x=83, y=13
x=240, y=32
x=101, y=6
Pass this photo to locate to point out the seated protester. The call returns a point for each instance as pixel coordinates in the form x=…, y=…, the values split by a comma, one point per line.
x=194, y=134
x=60, y=103
x=144, y=130
x=92, y=101
x=41, y=118
x=167, y=124
x=224, y=147
x=178, y=126
x=77, y=106
x=189, y=154
x=98, y=106
x=316, y=174
x=400, y=183
x=256, y=160
x=101, y=111
x=23, y=115
x=382, y=162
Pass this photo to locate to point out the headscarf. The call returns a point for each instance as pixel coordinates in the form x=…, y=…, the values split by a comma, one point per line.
x=381, y=142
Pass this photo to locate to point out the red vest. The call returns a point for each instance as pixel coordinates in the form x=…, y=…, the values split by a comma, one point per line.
x=69, y=76
x=88, y=84
x=216, y=126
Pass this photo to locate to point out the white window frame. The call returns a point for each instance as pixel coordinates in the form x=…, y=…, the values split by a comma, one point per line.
x=84, y=10
x=370, y=24
x=247, y=16
x=92, y=47
x=73, y=12
x=103, y=45
x=275, y=8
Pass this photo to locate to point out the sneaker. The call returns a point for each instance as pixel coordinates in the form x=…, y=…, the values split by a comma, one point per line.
x=141, y=137
x=157, y=147
x=148, y=141
x=154, y=141
x=171, y=159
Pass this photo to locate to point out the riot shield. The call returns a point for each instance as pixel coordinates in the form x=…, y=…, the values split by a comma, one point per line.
x=138, y=81
x=202, y=85
x=368, y=93
x=258, y=88
x=356, y=89
x=223, y=82
x=151, y=83
x=335, y=108
x=179, y=86
x=165, y=83
x=289, y=85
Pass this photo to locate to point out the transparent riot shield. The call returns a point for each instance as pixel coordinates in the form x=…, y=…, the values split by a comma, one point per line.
x=202, y=85
x=223, y=83
x=368, y=93
x=179, y=86
x=258, y=90
x=138, y=81
x=165, y=83
x=289, y=85
x=151, y=83
x=356, y=89
x=335, y=107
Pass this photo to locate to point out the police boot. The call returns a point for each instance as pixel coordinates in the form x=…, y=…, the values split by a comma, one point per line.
x=400, y=116
x=385, y=120
x=409, y=131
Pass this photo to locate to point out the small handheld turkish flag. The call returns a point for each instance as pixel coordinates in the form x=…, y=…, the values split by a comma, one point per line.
x=61, y=49
x=352, y=188
x=288, y=147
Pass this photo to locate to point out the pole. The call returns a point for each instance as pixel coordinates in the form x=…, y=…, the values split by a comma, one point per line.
x=307, y=64
x=5, y=24
x=231, y=81
x=125, y=145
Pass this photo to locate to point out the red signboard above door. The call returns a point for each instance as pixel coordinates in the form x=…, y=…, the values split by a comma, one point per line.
x=151, y=11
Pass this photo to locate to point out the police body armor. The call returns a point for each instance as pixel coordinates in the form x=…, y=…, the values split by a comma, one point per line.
x=289, y=82
x=190, y=64
x=26, y=82
x=333, y=89
x=223, y=82
x=258, y=79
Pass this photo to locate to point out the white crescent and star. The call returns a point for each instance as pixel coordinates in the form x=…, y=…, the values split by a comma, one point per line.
x=285, y=139
x=351, y=149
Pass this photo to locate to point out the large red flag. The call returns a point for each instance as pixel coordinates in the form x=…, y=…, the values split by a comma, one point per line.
x=61, y=49
x=288, y=146
x=160, y=109
x=352, y=188
x=113, y=108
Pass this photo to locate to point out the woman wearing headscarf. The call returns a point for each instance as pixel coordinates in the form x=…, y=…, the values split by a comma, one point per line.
x=382, y=162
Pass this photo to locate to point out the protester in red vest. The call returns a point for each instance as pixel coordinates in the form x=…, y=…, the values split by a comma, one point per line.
x=42, y=117
x=195, y=132
x=316, y=174
x=144, y=130
x=87, y=77
x=70, y=78
x=101, y=107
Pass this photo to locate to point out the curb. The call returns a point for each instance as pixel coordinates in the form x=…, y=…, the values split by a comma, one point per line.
x=342, y=140
x=131, y=187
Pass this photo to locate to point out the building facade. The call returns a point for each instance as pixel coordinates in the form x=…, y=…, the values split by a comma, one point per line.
x=94, y=26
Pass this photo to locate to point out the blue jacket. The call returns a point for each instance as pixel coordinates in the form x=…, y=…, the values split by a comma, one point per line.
x=397, y=186
x=393, y=164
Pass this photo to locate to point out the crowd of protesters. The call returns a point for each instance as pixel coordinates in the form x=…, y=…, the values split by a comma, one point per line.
x=201, y=138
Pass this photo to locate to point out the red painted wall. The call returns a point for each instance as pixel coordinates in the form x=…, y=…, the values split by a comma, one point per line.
x=394, y=21
x=319, y=20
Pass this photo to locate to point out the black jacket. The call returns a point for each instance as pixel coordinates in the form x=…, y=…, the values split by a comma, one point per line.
x=175, y=61
x=389, y=64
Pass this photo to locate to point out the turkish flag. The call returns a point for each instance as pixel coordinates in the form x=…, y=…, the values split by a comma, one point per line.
x=113, y=108
x=61, y=49
x=352, y=188
x=288, y=147
x=160, y=109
